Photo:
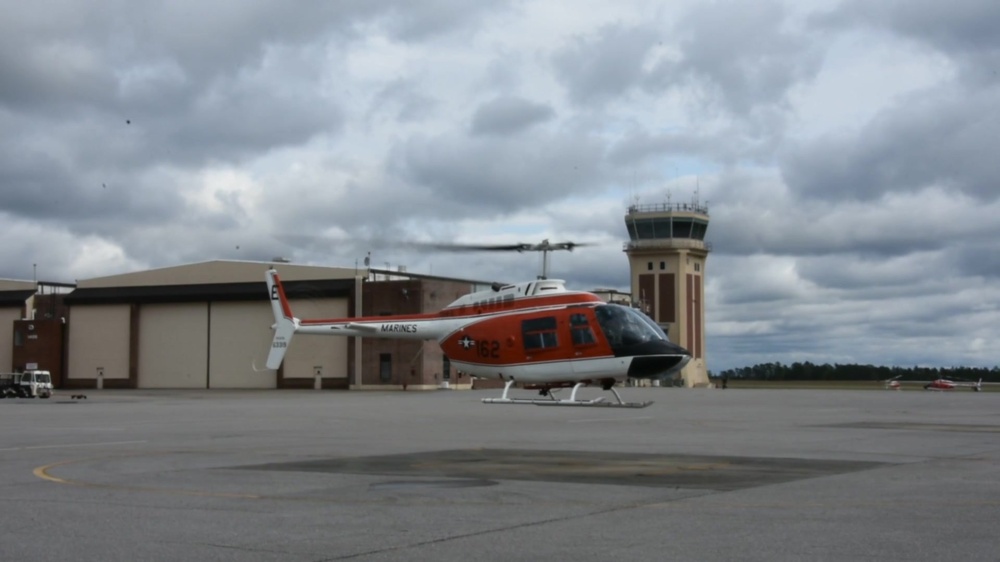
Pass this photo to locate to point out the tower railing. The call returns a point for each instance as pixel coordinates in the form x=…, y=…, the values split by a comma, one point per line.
x=678, y=243
x=668, y=207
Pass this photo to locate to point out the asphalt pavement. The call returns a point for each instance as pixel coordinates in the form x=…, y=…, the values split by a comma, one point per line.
x=314, y=476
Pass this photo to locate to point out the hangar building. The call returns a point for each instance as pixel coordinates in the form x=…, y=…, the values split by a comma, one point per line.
x=208, y=325
x=15, y=297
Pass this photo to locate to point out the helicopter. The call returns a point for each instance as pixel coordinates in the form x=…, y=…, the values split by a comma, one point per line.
x=536, y=333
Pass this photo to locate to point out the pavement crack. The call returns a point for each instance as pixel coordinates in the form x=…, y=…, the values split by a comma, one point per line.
x=231, y=547
x=483, y=532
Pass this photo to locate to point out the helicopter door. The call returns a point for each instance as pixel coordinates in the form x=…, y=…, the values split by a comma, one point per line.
x=583, y=339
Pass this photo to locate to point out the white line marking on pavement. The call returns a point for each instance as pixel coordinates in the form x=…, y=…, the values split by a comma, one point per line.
x=71, y=445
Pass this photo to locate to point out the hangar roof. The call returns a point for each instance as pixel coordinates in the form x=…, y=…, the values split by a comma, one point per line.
x=219, y=280
x=226, y=280
x=15, y=298
x=251, y=291
x=216, y=271
x=15, y=293
x=14, y=285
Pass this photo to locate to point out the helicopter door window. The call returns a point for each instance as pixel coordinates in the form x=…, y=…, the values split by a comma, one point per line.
x=539, y=333
x=583, y=336
x=580, y=330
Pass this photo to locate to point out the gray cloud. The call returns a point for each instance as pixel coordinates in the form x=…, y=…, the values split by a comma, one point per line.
x=498, y=175
x=83, y=54
x=977, y=257
x=506, y=115
x=409, y=22
x=743, y=56
x=964, y=30
x=402, y=101
x=642, y=145
x=934, y=138
x=607, y=64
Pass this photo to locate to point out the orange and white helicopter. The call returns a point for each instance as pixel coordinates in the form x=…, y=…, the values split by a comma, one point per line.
x=537, y=334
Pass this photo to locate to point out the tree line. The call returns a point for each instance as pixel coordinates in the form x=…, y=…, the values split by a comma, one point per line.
x=852, y=372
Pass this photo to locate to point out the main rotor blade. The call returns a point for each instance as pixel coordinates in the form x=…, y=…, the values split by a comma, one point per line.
x=314, y=241
x=544, y=246
x=454, y=247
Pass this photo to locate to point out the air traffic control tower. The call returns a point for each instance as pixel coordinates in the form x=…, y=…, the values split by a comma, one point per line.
x=666, y=253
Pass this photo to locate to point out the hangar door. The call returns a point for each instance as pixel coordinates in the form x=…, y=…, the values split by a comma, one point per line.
x=219, y=344
x=240, y=337
x=311, y=353
x=98, y=343
x=7, y=318
x=173, y=345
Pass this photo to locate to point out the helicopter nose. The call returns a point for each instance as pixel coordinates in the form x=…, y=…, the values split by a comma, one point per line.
x=658, y=360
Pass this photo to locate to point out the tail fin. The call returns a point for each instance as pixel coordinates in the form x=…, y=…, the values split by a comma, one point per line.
x=285, y=323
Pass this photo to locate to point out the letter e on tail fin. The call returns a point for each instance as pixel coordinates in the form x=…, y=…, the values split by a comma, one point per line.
x=279, y=303
x=285, y=323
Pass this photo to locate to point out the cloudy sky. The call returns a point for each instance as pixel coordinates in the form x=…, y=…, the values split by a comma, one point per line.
x=848, y=150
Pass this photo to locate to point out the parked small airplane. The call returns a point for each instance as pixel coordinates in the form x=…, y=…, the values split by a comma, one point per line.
x=951, y=384
x=940, y=383
x=537, y=334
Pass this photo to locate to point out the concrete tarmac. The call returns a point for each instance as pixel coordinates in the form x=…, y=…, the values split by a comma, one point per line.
x=322, y=475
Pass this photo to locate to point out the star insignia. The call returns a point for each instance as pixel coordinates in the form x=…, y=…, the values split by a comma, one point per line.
x=466, y=342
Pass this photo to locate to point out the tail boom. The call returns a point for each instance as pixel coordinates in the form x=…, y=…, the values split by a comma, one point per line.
x=410, y=326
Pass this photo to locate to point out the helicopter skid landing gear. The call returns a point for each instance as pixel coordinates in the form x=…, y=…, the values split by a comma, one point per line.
x=504, y=399
x=551, y=400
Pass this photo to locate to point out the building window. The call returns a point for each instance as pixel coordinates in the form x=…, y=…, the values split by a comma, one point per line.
x=663, y=265
x=697, y=267
x=446, y=368
x=385, y=367
x=649, y=266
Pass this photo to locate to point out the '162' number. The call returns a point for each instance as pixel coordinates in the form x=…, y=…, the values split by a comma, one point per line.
x=489, y=348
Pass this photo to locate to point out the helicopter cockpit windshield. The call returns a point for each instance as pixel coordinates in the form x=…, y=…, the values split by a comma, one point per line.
x=626, y=327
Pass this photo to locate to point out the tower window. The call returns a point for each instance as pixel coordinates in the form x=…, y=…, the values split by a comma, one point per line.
x=697, y=267
x=663, y=265
x=649, y=266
